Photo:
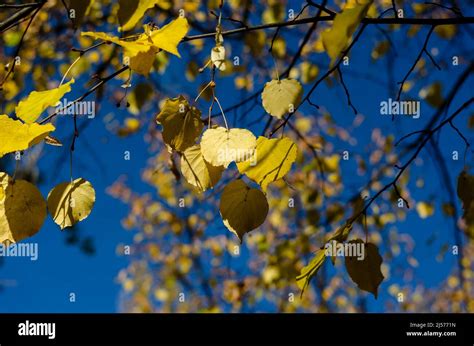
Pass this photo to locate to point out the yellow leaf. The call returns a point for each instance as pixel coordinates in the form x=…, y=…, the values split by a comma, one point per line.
x=16, y=136
x=280, y=97
x=167, y=38
x=181, y=123
x=310, y=270
x=130, y=127
x=37, y=102
x=143, y=61
x=71, y=202
x=271, y=161
x=22, y=209
x=242, y=208
x=220, y=146
x=338, y=37
x=197, y=171
x=131, y=11
x=365, y=273
x=424, y=210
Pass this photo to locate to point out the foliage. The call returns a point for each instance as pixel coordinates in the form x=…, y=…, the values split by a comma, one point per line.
x=280, y=181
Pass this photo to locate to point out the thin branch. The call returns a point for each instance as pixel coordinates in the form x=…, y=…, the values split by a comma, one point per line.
x=349, y=101
x=88, y=92
x=420, y=54
x=388, y=21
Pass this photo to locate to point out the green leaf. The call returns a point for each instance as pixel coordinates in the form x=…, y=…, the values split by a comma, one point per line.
x=366, y=273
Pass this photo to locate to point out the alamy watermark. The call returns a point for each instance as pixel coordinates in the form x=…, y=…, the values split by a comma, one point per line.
x=394, y=107
x=336, y=249
x=80, y=108
x=20, y=250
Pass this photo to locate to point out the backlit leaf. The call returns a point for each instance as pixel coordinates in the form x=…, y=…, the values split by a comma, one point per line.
x=242, y=208
x=71, y=202
x=220, y=146
x=310, y=270
x=22, y=209
x=37, y=102
x=338, y=37
x=197, y=171
x=17, y=136
x=131, y=11
x=271, y=161
x=280, y=97
x=181, y=123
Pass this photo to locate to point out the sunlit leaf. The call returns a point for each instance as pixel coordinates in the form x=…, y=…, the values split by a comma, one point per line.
x=280, y=97
x=197, y=171
x=338, y=37
x=131, y=11
x=71, y=202
x=22, y=209
x=271, y=161
x=37, y=102
x=310, y=270
x=17, y=136
x=220, y=146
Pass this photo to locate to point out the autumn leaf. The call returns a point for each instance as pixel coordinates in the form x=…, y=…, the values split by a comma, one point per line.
x=365, y=273
x=338, y=37
x=181, y=123
x=220, y=146
x=242, y=208
x=280, y=97
x=71, y=202
x=197, y=171
x=166, y=38
x=310, y=270
x=465, y=190
x=271, y=161
x=141, y=52
x=17, y=136
x=37, y=102
x=22, y=209
x=131, y=11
